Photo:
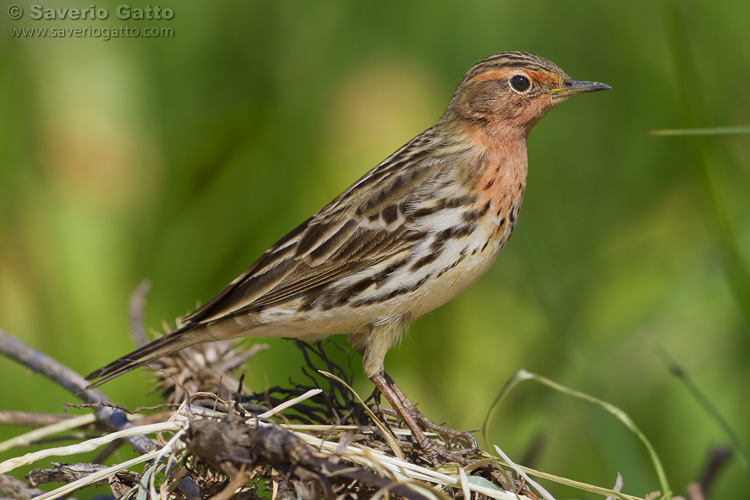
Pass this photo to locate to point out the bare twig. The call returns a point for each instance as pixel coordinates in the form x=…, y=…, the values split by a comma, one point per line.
x=120, y=407
x=30, y=419
x=63, y=473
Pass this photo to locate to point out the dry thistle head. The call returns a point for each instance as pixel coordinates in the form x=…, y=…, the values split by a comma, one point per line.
x=202, y=368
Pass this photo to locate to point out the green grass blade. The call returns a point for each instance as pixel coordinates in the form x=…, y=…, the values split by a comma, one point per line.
x=704, y=402
x=703, y=131
x=522, y=375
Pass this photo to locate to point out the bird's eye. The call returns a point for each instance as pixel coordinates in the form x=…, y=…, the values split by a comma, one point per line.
x=520, y=83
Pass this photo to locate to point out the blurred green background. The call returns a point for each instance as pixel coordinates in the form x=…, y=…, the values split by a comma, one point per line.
x=180, y=159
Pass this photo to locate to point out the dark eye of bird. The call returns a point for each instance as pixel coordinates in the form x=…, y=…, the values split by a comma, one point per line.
x=520, y=83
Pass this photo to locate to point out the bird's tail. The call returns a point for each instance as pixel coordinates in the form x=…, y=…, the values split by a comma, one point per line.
x=182, y=337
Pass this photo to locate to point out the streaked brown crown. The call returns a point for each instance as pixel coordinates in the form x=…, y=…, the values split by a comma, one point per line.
x=502, y=60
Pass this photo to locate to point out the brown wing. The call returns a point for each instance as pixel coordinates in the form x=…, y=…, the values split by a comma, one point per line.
x=320, y=250
x=362, y=227
x=283, y=272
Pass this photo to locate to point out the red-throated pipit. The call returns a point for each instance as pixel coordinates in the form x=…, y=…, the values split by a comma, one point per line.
x=407, y=237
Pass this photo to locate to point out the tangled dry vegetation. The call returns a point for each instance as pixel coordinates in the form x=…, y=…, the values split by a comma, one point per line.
x=213, y=438
x=303, y=441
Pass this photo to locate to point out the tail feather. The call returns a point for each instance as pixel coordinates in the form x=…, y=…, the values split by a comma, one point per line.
x=183, y=337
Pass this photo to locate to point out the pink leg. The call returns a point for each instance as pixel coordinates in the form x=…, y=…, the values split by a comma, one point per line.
x=414, y=419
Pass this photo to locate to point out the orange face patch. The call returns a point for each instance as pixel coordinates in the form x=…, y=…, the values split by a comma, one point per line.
x=544, y=77
x=500, y=74
x=493, y=74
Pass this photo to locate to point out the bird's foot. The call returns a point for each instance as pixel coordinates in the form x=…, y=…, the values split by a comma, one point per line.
x=438, y=455
x=418, y=424
x=465, y=437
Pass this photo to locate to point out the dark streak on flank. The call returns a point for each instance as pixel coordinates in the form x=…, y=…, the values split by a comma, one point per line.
x=393, y=293
x=474, y=215
x=440, y=239
x=388, y=271
x=485, y=209
x=431, y=257
x=462, y=231
x=457, y=262
x=452, y=232
x=346, y=294
x=422, y=212
x=459, y=201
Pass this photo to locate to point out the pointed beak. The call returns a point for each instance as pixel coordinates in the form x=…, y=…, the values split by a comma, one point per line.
x=570, y=87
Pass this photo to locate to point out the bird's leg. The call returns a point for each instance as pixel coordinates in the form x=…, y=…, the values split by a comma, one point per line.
x=414, y=419
x=428, y=424
x=373, y=346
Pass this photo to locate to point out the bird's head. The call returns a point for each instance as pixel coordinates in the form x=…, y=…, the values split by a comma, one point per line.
x=511, y=91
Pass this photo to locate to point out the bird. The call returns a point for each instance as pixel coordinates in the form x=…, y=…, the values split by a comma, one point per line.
x=407, y=237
